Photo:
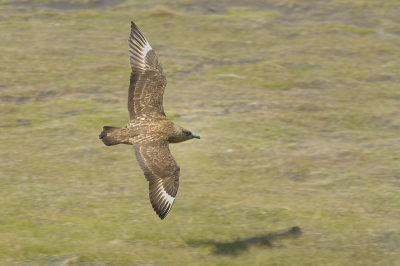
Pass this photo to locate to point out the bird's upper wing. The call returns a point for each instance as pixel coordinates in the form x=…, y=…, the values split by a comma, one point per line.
x=147, y=81
x=162, y=172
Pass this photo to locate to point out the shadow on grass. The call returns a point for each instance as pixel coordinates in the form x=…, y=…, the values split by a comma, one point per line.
x=238, y=246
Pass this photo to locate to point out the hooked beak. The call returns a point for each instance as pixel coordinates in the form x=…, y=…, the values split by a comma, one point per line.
x=196, y=136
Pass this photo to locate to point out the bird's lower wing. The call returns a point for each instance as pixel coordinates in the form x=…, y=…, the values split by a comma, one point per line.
x=162, y=173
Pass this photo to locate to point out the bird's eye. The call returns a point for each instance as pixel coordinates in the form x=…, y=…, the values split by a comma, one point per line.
x=188, y=133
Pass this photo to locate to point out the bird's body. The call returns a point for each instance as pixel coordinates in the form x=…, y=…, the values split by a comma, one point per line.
x=149, y=130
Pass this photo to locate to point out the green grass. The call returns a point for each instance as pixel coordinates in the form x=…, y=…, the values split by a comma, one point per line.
x=299, y=120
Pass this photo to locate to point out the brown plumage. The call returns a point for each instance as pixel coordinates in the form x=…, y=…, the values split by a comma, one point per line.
x=149, y=130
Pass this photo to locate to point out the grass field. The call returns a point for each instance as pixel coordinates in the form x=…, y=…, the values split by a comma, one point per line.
x=297, y=104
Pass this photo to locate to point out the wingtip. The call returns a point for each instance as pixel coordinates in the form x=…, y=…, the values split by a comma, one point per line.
x=160, y=215
x=163, y=210
x=163, y=215
x=133, y=25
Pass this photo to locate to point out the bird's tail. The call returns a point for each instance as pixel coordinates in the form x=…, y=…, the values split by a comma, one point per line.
x=107, y=137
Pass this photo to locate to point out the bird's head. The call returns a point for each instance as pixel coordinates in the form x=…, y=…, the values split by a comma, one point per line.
x=182, y=134
x=190, y=135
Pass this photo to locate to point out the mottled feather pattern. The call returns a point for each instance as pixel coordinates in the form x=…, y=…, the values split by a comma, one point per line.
x=162, y=172
x=147, y=82
x=149, y=130
x=148, y=92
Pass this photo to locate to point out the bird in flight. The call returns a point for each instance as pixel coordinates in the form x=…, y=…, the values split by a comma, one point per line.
x=148, y=129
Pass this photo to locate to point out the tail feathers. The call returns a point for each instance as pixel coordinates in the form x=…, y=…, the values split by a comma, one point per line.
x=106, y=138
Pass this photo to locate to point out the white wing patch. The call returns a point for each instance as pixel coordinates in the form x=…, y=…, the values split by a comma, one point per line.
x=143, y=53
x=140, y=46
x=164, y=195
x=146, y=49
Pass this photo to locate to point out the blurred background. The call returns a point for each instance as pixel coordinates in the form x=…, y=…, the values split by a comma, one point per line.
x=298, y=108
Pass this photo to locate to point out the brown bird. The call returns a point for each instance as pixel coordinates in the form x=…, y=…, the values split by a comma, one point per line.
x=149, y=130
